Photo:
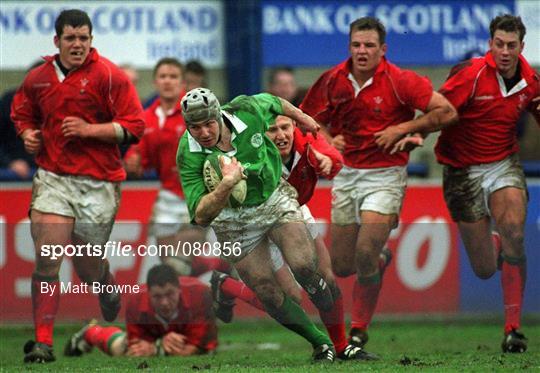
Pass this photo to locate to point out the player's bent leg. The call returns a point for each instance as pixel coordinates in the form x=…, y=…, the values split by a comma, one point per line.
x=223, y=297
x=299, y=252
x=343, y=252
x=288, y=284
x=478, y=242
x=257, y=274
x=48, y=231
x=92, y=269
x=333, y=319
x=508, y=207
x=111, y=340
x=373, y=234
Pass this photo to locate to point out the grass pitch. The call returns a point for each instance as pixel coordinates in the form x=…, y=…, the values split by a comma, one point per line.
x=265, y=346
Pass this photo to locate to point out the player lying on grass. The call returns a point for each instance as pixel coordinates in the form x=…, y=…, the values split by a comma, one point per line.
x=270, y=209
x=304, y=159
x=170, y=316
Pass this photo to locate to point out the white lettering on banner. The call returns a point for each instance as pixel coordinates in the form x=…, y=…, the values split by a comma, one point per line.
x=123, y=31
x=424, y=229
x=183, y=50
x=399, y=18
x=298, y=19
x=346, y=14
x=457, y=48
x=114, y=19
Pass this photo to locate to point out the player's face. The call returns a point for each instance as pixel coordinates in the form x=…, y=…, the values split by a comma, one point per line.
x=206, y=133
x=74, y=45
x=282, y=134
x=168, y=82
x=506, y=48
x=193, y=80
x=164, y=299
x=366, y=51
x=284, y=86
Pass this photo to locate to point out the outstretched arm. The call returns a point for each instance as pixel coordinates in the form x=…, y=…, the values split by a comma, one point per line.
x=439, y=114
x=304, y=121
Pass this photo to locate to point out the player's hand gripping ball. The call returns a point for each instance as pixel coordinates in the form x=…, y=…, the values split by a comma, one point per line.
x=212, y=176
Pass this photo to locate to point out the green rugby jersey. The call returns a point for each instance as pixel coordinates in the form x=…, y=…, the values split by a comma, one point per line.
x=250, y=117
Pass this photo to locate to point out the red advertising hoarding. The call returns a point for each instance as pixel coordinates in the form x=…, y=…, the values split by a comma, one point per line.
x=423, y=277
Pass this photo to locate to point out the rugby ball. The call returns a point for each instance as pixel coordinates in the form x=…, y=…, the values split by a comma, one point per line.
x=212, y=176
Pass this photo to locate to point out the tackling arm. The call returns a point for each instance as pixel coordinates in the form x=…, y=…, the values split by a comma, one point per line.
x=439, y=114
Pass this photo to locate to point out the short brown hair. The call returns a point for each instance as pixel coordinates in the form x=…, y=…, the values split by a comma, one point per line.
x=167, y=61
x=161, y=275
x=74, y=18
x=508, y=23
x=369, y=23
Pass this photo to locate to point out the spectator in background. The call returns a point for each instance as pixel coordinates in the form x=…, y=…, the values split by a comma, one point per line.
x=194, y=75
x=282, y=83
x=131, y=73
x=13, y=157
x=72, y=112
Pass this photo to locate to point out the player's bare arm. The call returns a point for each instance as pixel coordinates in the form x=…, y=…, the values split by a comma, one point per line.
x=111, y=132
x=133, y=164
x=211, y=204
x=140, y=347
x=338, y=142
x=439, y=114
x=325, y=162
x=304, y=121
x=408, y=143
x=32, y=140
x=175, y=344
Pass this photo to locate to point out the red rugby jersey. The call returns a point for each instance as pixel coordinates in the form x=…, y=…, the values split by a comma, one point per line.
x=388, y=99
x=488, y=114
x=305, y=170
x=98, y=92
x=195, y=318
x=159, y=144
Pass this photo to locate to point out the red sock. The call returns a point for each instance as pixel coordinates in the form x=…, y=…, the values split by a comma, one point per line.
x=365, y=297
x=202, y=264
x=334, y=321
x=44, y=306
x=237, y=289
x=100, y=336
x=513, y=277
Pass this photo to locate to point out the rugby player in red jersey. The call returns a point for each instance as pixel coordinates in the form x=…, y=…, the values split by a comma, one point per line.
x=483, y=180
x=353, y=101
x=72, y=112
x=170, y=316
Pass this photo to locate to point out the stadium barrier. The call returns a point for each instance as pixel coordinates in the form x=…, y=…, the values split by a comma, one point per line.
x=430, y=273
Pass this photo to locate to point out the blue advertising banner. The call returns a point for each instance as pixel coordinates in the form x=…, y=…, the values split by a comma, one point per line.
x=315, y=33
x=486, y=295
